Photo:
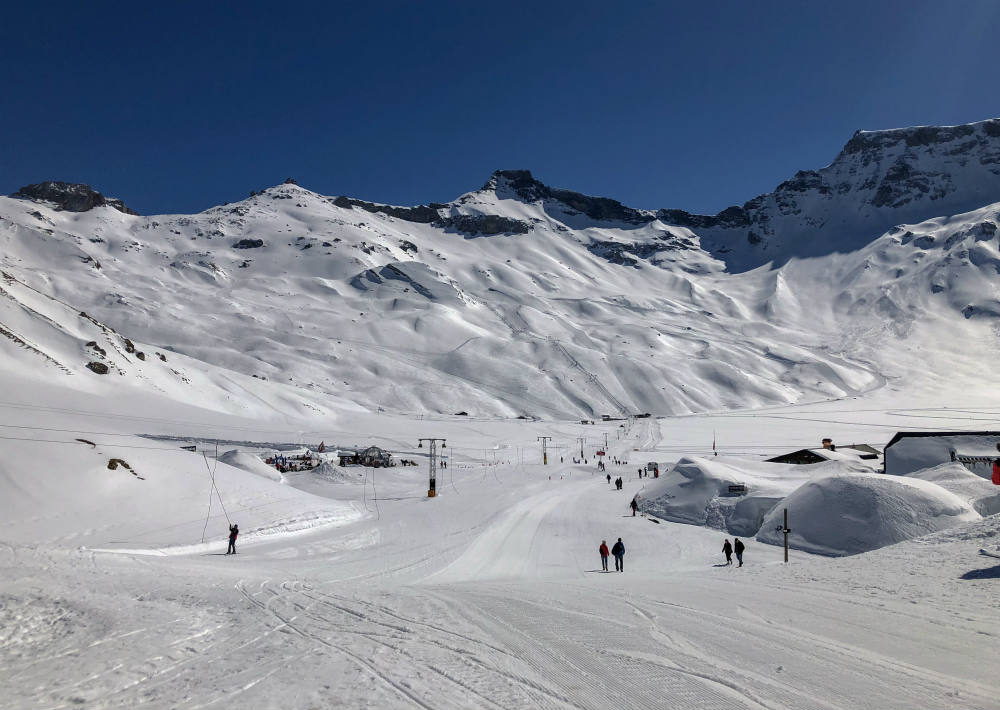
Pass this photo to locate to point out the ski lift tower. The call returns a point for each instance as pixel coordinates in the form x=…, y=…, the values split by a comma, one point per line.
x=545, y=451
x=431, y=463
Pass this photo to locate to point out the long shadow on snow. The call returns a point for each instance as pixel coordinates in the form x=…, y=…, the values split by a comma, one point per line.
x=987, y=573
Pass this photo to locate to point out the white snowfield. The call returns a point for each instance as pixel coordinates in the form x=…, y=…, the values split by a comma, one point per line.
x=514, y=313
x=490, y=595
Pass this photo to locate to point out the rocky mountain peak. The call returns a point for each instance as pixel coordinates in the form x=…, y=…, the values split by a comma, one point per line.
x=917, y=136
x=70, y=196
x=522, y=185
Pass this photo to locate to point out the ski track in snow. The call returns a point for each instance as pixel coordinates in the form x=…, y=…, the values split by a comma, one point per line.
x=489, y=597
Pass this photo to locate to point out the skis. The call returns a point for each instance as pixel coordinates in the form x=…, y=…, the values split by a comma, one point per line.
x=989, y=554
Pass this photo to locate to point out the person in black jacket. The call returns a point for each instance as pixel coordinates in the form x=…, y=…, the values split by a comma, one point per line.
x=234, y=531
x=738, y=546
x=619, y=553
x=728, y=549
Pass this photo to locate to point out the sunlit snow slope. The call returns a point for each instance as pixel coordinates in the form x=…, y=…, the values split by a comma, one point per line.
x=519, y=298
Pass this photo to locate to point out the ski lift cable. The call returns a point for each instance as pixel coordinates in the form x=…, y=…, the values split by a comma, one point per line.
x=211, y=474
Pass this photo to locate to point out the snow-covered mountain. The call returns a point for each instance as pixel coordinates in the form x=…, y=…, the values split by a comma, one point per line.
x=523, y=299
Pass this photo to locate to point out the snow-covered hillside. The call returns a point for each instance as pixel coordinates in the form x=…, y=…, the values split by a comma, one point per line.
x=604, y=309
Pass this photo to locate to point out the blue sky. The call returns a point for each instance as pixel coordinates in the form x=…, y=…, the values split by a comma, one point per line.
x=175, y=107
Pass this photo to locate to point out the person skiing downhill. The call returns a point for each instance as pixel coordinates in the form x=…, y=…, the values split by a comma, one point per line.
x=619, y=552
x=234, y=531
x=738, y=546
x=728, y=550
x=603, y=549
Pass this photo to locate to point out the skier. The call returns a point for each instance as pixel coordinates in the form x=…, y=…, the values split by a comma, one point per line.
x=728, y=549
x=234, y=531
x=603, y=549
x=619, y=552
x=634, y=505
x=609, y=479
x=738, y=546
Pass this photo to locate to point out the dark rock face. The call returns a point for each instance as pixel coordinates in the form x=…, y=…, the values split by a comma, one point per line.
x=863, y=141
x=422, y=214
x=628, y=253
x=71, y=197
x=483, y=224
x=526, y=187
x=249, y=244
x=98, y=367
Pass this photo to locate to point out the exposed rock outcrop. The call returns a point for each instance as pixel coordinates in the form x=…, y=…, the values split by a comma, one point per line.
x=523, y=185
x=71, y=197
x=483, y=224
x=423, y=214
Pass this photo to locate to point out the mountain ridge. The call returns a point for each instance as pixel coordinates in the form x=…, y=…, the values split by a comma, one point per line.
x=502, y=305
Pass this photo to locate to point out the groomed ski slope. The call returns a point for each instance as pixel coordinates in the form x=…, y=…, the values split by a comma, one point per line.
x=490, y=596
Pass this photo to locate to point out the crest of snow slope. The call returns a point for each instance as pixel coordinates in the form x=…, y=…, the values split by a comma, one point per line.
x=519, y=298
x=978, y=492
x=849, y=512
x=66, y=495
x=250, y=463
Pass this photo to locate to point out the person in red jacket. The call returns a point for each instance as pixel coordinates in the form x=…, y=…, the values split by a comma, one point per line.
x=603, y=549
x=234, y=532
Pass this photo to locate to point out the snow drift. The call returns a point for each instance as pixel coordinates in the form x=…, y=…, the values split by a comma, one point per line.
x=849, y=513
x=132, y=496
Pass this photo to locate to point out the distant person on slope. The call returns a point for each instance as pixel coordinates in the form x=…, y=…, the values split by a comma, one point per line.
x=234, y=532
x=619, y=552
x=728, y=550
x=739, y=547
x=603, y=549
x=634, y=505
x=609, y=479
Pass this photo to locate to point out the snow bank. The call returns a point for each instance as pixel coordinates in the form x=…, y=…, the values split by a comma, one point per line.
x=979, y=493
x=697, y=491
x=252, y=463
x=65, y=494
x=848, y=513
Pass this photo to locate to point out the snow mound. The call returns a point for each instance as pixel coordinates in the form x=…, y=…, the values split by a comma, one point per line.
x=981, y=494
x=697, y=491
x=152, y=500
x=251, y=463
x=848, y=513
x=338, y=474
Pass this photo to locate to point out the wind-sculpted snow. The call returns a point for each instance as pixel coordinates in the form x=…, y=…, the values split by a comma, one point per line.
x=850, y=513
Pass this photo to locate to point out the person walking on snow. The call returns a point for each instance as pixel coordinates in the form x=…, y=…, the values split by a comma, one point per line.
x=634, y=505
x=619, y=552
x=609, y=479
x=234, y=531
x=739, y=547
x=728, y=550
x=603, y=549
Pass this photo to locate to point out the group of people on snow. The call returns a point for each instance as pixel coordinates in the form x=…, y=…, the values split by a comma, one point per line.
x=618, y=550
x=728, y=550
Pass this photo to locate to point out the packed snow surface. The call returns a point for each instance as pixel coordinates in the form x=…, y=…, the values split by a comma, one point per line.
x=489, y=595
